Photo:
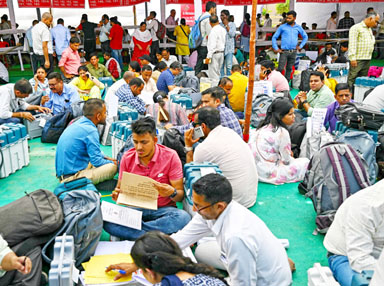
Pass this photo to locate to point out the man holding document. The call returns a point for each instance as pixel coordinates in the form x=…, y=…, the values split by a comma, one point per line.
x=159, y=163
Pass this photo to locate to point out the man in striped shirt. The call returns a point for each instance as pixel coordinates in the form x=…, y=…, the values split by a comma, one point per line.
x=129, y=93
x=361, y=45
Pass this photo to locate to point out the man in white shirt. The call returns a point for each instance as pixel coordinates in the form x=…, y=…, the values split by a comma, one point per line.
x=149, y=85
x=105, y=27
x=215, y=46
x=251, y=254
x=167, y=57
x=376, y=97
x=153, y=26
x=61, y=36
x=356, y=237
x=205, y=29
x=378, y=275
x=111, y=100
x=332, y=25
x=224, y=147
x=13, y=107
x=42, y=42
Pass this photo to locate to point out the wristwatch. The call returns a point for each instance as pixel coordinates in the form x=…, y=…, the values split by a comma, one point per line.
x=188, y=149
x=174, y=194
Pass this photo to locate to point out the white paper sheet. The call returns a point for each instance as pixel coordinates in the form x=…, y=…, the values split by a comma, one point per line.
x=113, y=247
x=121, y=215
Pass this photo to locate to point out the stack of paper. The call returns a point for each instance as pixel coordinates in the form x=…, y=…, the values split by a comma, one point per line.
x=95, y=268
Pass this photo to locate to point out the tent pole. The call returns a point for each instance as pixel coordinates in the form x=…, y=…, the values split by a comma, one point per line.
x=13, y=27
x=198, y=8
x=251, y=75
x=292, y=5
x=38, y=13
x=146, y=10
x=134, y=15
x=162, y=10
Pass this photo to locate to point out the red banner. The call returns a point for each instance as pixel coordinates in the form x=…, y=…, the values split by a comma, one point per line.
x=188, y=13
x=68, y=3
x=34, y=3
x=339, y=1
x=232, y=2
x=3, y=3
x=104, y=3
x=132, y=2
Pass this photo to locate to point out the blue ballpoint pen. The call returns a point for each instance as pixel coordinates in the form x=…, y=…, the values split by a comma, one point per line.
x=123, y=272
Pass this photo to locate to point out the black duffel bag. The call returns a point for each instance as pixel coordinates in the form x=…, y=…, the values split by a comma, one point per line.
x=55, y=126
x=360, y=116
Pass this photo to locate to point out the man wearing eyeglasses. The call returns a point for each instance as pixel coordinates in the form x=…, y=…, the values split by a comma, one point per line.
x=222, y=146
x=361, y=45
x=244, y=245
x=61, y=95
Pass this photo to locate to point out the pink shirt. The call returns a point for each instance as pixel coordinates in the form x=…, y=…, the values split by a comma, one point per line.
x=70, y=60
x=279, y=82
x=164, y=167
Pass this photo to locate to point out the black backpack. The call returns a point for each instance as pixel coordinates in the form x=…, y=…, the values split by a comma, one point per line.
x=304, y=82
x=175, y=140
x=55, y=126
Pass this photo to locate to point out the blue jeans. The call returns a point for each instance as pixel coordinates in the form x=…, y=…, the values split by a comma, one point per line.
x=116, y=54
x=10, y=120
x=341, y=269
x=228, y=60
x=166, y=219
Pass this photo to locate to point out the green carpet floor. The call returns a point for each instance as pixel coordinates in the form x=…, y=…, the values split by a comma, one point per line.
x=287, y=213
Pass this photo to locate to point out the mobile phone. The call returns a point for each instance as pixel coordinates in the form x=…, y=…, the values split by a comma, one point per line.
x=197, y=133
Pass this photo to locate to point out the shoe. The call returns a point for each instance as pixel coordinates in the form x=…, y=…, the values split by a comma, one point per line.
x=43, y=279
x=108, y=185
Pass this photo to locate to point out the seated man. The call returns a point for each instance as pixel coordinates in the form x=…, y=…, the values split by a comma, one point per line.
x=70, y=59
x=226, y=84
x=240, y=83
x=111, y=100
x=223, y=147
x=343, y=95
x=96, y=69
x=61, y=95
x=166, y=81
x=130, y=93
x=268, y=72
x=164, y=166
x=328, y=54
x=376, y=97
x=112, y=65
x=343, y=58
x=20, y=270
x=320, y=96
x=355, y=239
x=146, y=60
x=214, y=97
x=12, y=103
x=78, y=151
x=167, y=57
x=149, y=83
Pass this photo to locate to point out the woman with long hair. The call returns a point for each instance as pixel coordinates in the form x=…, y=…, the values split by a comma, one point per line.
x=135, y=67
x=245, y=30
x=40, y=86
x=163, y=263
x=142, y=41
x=271, y=146
x=166, y=112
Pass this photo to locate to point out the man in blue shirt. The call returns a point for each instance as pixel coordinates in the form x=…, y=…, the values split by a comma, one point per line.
x=289, y=33
x=166, y=81
x=61, y=37
x=78, y=151
x=129, y=93
x=61, y=95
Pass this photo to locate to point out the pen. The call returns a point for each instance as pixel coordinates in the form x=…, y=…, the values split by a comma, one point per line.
x=122, y=272
x=106, y=196
x=25, y=260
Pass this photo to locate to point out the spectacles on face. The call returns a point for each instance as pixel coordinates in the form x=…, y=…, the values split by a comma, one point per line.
x=53, y=84
x=203, y=208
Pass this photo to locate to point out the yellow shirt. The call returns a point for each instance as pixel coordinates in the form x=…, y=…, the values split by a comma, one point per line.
x=331, y=83
x=237, y=95
x=81, y=84
x=183, y=49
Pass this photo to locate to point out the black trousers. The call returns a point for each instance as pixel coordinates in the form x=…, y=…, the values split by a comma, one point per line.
x=155, y=48
x=89, y=47
x=105, y=47
x=40, y=61
x=202, y=53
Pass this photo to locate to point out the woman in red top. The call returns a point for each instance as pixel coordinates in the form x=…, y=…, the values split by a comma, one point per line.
x=142, y=41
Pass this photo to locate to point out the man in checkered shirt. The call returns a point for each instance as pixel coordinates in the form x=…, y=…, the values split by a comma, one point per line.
x=346, y=23
x=129, y=93
x=361, y=45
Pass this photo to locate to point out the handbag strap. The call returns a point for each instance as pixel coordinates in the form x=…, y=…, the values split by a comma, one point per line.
x=181, y=27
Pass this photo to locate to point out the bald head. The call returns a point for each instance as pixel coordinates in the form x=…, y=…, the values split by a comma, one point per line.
x=46, y=15
x=128, y=75
x=47, y=19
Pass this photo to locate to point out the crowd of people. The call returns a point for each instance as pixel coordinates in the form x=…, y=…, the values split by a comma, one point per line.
x=243, y=245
